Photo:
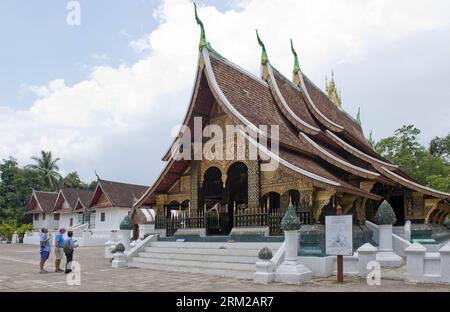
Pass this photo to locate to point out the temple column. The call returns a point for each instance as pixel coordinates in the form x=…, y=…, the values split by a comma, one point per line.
x=430, y=206
x=194, y=188
x=253, y=185
x=322, y=199
x=161, y=200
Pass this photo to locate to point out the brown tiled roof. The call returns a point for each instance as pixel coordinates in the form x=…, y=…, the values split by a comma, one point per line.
x=120, y=194
x=253, y=99
x=313, y=166
x=45, y=200
x=352, y=128
x=85, y=197
x=294, y=99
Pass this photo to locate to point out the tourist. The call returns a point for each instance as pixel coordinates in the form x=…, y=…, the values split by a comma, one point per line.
x=59, y=245
x=69, y=247
x=45, y=248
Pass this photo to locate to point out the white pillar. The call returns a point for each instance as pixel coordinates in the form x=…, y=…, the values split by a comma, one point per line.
x=415, y=255
x=385, y=238
x=385, y=255
x=366, y=253
x=291, y=271
x=125, y=238
x=445, y=263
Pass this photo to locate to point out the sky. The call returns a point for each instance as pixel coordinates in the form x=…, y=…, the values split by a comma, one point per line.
x=105, y=95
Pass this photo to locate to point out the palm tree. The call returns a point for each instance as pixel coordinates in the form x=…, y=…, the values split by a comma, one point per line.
x=48, y=167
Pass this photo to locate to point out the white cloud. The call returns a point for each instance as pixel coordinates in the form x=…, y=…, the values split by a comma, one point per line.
x=118, y=120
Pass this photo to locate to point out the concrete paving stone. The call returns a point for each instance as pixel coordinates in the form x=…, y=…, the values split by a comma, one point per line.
x=19, y=272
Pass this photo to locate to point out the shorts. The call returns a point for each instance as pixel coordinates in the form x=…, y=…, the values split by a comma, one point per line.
x=45, y=255
x=58, y=253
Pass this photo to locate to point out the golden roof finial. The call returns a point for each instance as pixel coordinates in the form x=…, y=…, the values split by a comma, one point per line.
x=333, y=92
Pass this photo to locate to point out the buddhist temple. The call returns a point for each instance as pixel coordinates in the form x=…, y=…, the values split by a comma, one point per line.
x=323, y=158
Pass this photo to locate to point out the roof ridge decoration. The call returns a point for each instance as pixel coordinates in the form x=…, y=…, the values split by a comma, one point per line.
x=333, y=92
x=204, y=43
x=264, y=56
x=296, y=70
x=358, y=116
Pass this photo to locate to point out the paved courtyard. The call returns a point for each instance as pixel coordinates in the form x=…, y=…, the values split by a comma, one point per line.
x=19, y=272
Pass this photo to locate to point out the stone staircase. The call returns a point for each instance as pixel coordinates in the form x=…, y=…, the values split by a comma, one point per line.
x=222, y=259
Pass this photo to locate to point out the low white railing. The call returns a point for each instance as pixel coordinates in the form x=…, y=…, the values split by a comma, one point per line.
x=428, y=267
x=278, y=258
x=133, y=252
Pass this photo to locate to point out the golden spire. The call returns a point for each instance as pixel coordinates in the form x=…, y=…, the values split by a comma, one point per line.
x=333, y=92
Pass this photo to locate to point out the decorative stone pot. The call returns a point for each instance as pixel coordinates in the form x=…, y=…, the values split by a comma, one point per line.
x=264, y=267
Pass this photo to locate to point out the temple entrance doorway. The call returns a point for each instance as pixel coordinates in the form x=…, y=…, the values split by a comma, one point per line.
x=398, y=204
x=213, y=199
x=236, y=193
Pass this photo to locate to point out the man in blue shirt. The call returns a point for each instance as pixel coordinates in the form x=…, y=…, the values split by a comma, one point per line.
x=44, y=239
x=59, y=245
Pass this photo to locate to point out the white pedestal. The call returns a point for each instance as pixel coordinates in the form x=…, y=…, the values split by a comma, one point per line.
x=445, y=263
x=120, y=260
x=366, y=253
x=415, y=257
x=385, y=255
x=291, y=271
x=264, y=272
x=125, y=236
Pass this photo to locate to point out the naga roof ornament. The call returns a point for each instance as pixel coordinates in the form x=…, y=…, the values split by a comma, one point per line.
x=264, y=57
x=296, y=62
x=358, y=116
x=203, y=42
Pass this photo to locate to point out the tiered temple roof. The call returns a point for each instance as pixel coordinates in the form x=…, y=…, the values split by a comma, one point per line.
x=318, y=141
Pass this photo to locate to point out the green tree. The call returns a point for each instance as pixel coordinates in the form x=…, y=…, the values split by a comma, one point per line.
x=404, y=150
x=47, y=165
x=440, y=147
x=72, y=180
x=16, y=186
